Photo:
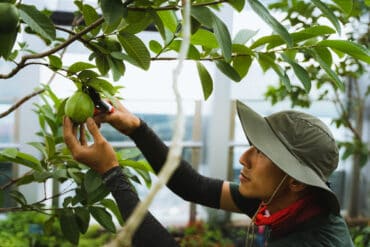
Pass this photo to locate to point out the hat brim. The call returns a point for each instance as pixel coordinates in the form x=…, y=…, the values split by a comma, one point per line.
x=260, y=135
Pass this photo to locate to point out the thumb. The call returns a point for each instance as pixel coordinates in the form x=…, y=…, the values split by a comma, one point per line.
x=94, y=130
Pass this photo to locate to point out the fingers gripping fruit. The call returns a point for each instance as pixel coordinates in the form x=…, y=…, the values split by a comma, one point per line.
x=79, y=107
x=9, y=21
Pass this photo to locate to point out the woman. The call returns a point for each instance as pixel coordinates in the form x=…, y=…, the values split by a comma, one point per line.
x=283, y=183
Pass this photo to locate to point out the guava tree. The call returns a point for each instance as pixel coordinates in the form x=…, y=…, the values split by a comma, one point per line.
x=109, y=32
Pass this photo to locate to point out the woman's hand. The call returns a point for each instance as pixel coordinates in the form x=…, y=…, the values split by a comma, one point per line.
x=100, y=156
x=121, y=119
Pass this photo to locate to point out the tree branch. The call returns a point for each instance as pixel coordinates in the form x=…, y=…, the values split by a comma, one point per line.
x=24, y=59
x=13, y=181
x=345, y=116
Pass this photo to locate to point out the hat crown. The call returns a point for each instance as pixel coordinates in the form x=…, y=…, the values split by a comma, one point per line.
x=308, y=139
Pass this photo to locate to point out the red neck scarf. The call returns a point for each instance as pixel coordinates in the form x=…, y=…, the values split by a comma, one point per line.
x=286, y=220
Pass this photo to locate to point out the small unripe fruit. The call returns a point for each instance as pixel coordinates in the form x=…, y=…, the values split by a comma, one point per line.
x=79, y=107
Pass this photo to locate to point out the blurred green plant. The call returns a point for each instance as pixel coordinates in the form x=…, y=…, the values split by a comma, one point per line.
x=201, y=234
x=25, y=229
x=361, y=235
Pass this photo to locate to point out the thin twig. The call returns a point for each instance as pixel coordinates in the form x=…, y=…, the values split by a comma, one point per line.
x=20, y=102
x=24, y=59
x=345, y=116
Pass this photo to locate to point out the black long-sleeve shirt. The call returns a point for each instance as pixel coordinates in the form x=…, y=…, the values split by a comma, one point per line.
x=185, y=182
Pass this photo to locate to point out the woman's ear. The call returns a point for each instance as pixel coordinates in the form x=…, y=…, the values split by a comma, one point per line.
x=295, y=185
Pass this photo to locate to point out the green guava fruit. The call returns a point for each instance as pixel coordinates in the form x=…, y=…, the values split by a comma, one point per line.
x=9, y=17
x=79, y=107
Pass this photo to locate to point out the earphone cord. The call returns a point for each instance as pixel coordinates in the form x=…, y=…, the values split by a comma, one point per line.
x=250, y=229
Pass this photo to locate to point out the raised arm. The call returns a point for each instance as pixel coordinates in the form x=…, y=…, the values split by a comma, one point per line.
x=185, y=182
x=101, y=157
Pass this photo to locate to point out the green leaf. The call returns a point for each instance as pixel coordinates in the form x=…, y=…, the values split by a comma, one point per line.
x=9, y=153
x=112, y=206
x=158, y=22
x=328, y=14
x=82, y=218
x=305, y=34
x=112, y=10
x=337, y=81
x=137, y=165
x=205, y=79
x=300, y=72
x=55, y=62
x=325, y=55
x=243, y=36
x=37, y=21
x=117, y=67
x=79, y=66
x=90, y=15
x=271, y=21
x=137, y=21
x=206, y=17
x=204, y=38
x=102, y=64
x=103, y=217
x=21, y=158
x=193, y=53
x=269, y=61
x=169, y=19
x=242, y=49
x=68, y=224
x=25, y=180
x=242, y=64
x=203, y=15
x=345, y=5
x=155, y=46
x=39, y=146
x=109, y=28
x=41, y=176
x=92, y=181
x=103, y=86
x=87, y=74
x=99, y=194
x=238, y=5
x=243, y=59
x=136, y=49
x=18, y=196
x=50, y=146
x=228, y=70
x=223, y=37
x=353, y=49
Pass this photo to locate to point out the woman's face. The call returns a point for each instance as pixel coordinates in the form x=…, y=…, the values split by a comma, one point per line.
x=260, y=176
